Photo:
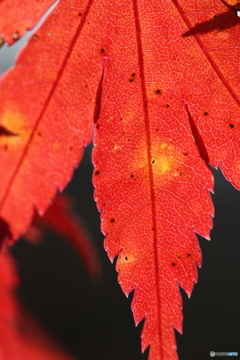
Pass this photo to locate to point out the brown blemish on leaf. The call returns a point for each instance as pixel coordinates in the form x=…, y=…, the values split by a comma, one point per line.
x=133, y=75
x=34, y=37
x=112, y=220
x=97, y=172
x=15, y=35
x=158, y=92
x=205, y=113
x=232, y=126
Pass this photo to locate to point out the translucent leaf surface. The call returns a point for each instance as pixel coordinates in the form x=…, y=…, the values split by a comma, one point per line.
x=161, y=81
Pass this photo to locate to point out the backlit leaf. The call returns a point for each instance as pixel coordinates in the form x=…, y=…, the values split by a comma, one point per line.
x=161, y=81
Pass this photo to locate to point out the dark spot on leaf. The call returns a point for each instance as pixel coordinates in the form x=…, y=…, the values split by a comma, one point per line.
x=133, y=74
x=205, y=113
x=112, y=220
x=102, y=50
x=158, y=92
x=131, y=80
x=188, y=255
x=153, y=228
x=167, y=106
x=131, y=176
x=232, y=126
x=126, y=258
x=153, y=161
x=178, y=256
x=157, y=129
x=34, y=37
x=70, y=148
x=97, y=172
x=39, y=133
x=173, y=264
x=185, y=153
x=79, y=14
x=5, y=132
x=16, y=35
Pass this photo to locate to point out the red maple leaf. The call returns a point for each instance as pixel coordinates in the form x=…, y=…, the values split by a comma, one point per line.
x=161, y=81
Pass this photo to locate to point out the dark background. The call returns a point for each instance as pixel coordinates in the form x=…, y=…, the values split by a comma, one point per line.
x=94, y=321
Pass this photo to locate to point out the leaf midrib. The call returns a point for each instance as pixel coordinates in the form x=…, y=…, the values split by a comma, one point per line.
x=152, y=192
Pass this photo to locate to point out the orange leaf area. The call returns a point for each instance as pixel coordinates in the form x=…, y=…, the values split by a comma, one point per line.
x=46, y=115
x=17, y=16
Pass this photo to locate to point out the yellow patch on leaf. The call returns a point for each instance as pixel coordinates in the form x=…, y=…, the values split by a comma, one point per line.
x=13, y=122
x=167, y=164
